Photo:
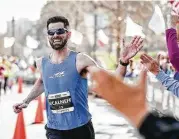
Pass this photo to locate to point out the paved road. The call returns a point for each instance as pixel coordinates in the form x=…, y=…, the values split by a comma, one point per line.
x=108, y=123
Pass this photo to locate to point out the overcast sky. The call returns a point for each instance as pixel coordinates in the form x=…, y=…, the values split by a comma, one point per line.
x=19, y=8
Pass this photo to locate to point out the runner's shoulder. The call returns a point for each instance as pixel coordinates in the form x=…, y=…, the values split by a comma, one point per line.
x=83, y=57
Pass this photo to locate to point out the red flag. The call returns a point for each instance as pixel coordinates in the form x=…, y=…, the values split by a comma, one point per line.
x=101, y=43
x=171, y=1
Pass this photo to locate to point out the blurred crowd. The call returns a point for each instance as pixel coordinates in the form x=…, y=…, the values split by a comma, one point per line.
x=134, y=68
x=12, y=68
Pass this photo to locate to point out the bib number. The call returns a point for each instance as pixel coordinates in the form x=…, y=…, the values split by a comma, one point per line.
x=60, y=102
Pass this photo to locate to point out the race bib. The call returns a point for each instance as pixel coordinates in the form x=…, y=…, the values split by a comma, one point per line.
x=60, y=102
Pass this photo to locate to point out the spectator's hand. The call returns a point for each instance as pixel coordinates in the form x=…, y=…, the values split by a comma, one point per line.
x=174, y=14
x=130, y=50
x=130, y=100
x=19, y=106
x=151, y=64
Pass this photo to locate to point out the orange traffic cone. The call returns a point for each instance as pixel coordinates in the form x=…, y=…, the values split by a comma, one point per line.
x=20, y=81
x=39, y=113
x=20, y=127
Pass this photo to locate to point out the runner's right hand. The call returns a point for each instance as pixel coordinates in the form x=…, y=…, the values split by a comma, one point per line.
x=19, y=106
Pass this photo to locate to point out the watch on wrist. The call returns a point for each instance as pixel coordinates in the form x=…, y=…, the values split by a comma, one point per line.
x=123, y=64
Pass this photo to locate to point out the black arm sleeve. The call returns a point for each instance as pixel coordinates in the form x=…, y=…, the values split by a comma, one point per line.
x=155, y=127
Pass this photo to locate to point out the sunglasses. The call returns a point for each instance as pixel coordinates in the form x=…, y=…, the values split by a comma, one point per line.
x=57, y=31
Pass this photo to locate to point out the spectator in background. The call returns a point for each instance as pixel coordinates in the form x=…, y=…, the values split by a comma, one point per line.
x=1, y=76
x=164, y=62
x=130, y=70
x=6, y=73
x=153, y=66
x=171, y=39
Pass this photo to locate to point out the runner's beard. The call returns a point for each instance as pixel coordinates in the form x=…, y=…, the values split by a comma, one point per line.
x=58, y=46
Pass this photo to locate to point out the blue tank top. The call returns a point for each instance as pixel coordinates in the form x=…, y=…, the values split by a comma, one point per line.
x=66, y=94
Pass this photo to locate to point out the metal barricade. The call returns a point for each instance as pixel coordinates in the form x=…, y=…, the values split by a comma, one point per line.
x=159, y=99
x=162, y=100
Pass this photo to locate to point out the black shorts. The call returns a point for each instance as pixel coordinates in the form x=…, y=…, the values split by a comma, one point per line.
x=84, y=132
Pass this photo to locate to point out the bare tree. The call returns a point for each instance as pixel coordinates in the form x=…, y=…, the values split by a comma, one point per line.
x=139, y=11
x=117, y=11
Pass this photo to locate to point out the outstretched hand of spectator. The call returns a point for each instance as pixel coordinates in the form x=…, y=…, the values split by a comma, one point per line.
x=130, y=100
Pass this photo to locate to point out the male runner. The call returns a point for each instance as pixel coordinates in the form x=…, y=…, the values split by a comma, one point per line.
x=63, y=79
